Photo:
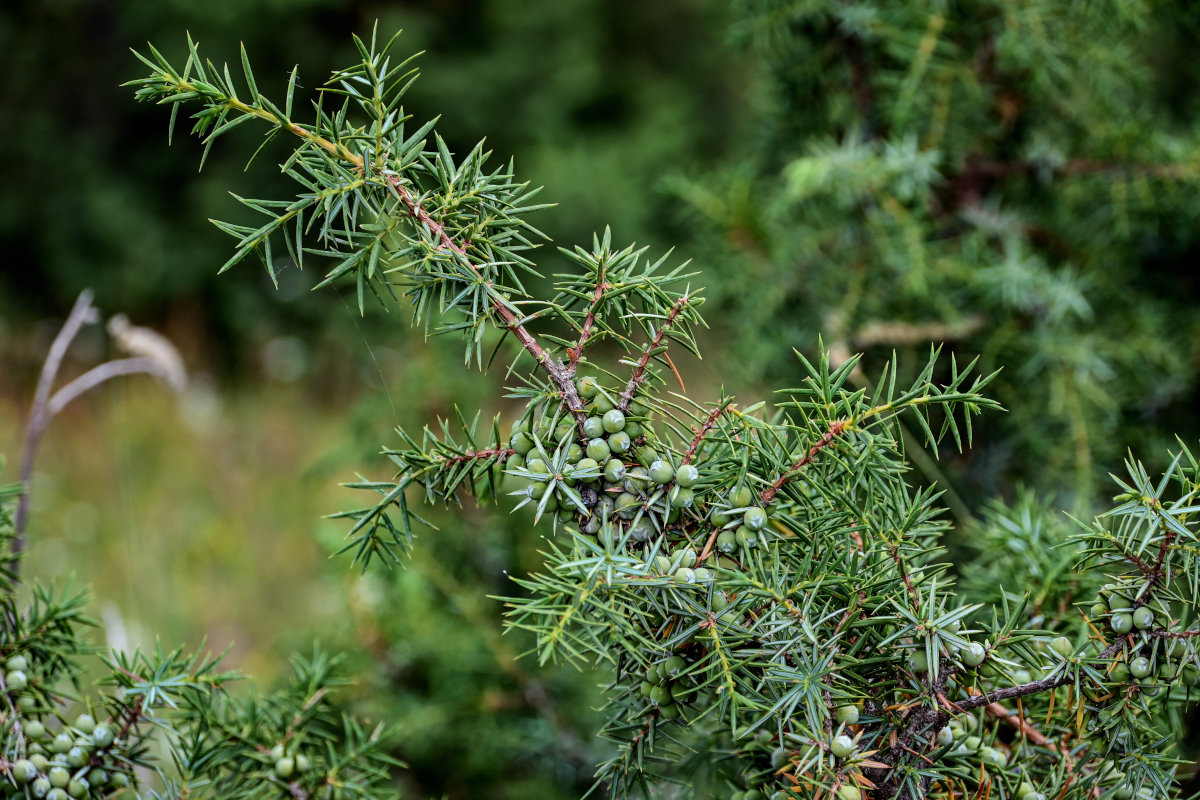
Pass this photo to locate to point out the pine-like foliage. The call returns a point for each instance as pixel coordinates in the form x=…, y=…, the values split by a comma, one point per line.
x=1017, y=179
x=162, y=724
x=765, y=584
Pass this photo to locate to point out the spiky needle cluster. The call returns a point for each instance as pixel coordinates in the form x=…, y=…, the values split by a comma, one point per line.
x=763, y=582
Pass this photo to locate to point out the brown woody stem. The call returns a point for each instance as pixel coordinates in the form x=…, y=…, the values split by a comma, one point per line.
x=639, y=371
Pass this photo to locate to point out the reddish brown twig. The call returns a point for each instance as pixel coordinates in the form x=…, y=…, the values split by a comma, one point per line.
x=558, y=372
x=836, y=428
x=639, y=371
x=589, y=320
x=702, y=431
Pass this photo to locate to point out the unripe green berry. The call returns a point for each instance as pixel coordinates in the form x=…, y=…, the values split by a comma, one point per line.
x=97, y=776
x=627, y=505
x=603, y=404
x=741, y=497
x=40, y=761
x=918, y=661
x=598, y=449
x=62, y=743
x=1120, y=672
x=587, y=465
x=847, y=714
x=633, y=429
x=687, y=476
x=682, y=497
x=26, y=703
x=102, y=736
x=842, y=746
x=1121, y=623
x=1099, y=610
x=76, y=757
x=24, y=771
x=973, y=654
x=118, y=780
x=1143, y=618
x=537, y=466
x=779, y=757
x=685, y=575
x=746, y=537
x=661, y=472
x=619, y=442
x=57, y=794
x=673, y=666
x=670, y=711
x=1140, y=667
x=642, y=530
x=574, y=453
x=18, y=663
x=945, y=736
x=614, y=420
x=848, y=791
x=703, y=575
x=588, y=387
x=521, y=442
x=59, y=777
x=78, y=787
x=654, y=674
x=593, y=427
x=614, y=470
x=726, y=542
x=284, y=767
x=34, y=729
x=15, y=680
x=40, y=788
x=1190, y=674
x=660, y=695
x=755, y=518
x=1062, y=645
x=302, y=764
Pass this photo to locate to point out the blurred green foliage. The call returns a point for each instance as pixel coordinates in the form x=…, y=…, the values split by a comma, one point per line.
x=1020, y=180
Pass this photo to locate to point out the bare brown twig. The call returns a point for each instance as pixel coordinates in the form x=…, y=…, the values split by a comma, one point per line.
x=639, y=371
